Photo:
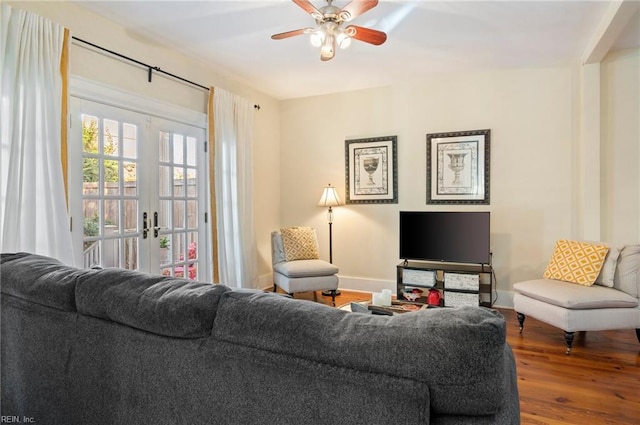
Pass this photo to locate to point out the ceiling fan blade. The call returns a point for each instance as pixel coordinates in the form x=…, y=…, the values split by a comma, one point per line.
x=367, y=35
x=288, y=34
x=308, y=7
x=357, y=8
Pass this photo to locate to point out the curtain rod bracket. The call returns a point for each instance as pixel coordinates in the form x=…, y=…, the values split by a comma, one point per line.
x=150, y=71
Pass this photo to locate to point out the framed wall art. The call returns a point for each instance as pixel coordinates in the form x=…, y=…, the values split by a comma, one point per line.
x=458, y=167
x=371, y=170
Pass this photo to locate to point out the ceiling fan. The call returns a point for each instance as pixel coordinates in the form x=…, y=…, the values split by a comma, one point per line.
x=329, y=31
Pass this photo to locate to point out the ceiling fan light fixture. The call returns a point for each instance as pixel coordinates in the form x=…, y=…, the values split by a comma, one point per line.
x=317, y=38
x=343, y=40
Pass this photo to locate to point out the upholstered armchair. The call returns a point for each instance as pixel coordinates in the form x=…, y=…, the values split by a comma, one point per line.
x=296, y=263
x=572, y=301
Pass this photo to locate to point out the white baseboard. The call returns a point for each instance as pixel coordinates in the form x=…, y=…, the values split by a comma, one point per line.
x=265, y=282
x=504, y=300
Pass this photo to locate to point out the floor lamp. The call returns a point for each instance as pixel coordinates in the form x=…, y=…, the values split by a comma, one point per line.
x=330, y=199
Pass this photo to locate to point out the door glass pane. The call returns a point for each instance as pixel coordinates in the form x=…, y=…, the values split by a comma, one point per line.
x=164, y=180
x=192, y=183
x=111, y=177
x=178, y=181
x=192, y=248
x=178, y=247
x=191, y=151
x=111, y=251
x=111, y=140
x=130, y=140
x=164, y=214
x=163, y=152
x=130, y=253
x=130, y=216
x=165, y=249
x=91, y=231
x=192, y=254
x=192, y=214
x=91, y=176
x=129, y=170
x=90, y=140
x=178, y=149
x=178, y=215
x=112, y=215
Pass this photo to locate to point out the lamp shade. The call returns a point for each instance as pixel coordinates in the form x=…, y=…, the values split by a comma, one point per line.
x=329, y=197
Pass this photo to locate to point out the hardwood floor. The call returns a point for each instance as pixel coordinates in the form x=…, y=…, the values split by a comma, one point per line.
x=599, y=383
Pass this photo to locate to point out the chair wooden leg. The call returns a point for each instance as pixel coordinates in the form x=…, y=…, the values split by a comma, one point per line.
x=275, y=288
x=638, y=334
x=521, y=320
x=568, y=339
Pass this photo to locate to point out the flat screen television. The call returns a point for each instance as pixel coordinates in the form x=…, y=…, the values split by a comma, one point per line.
x=452, y=237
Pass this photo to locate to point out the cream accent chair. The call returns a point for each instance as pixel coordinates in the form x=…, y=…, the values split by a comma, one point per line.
x=301, y=275
x=573, y=307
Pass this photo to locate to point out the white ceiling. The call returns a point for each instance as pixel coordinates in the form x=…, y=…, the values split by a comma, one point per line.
x=424, y=37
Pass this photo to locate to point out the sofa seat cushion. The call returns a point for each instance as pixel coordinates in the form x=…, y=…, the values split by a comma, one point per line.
x=576, y=297
x=305, y=268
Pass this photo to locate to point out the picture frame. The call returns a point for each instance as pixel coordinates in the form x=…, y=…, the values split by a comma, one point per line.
x=371, y=170
x=458, y=167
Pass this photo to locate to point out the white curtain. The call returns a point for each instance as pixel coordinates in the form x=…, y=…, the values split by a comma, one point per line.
x=33, y=211
x=237, y=257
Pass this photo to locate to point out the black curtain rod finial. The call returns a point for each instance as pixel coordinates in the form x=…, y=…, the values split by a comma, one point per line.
x=256, y=107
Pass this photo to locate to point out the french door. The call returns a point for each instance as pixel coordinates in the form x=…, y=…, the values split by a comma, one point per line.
x=137, y=187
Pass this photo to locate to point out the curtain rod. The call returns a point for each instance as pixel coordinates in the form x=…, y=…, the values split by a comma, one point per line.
x=150, y=68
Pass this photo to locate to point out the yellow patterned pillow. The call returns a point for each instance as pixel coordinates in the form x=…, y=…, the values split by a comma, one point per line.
x=576, y=262
x=299, y=243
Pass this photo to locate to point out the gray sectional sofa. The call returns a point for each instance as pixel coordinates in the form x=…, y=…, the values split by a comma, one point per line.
x=120, y=347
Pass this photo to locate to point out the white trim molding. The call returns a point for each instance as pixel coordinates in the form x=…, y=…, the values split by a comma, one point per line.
x=102, y=93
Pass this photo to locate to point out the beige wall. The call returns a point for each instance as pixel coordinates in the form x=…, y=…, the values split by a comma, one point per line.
x=87, y=63
x=620, y=146
x=530, y=114
x=533, y=115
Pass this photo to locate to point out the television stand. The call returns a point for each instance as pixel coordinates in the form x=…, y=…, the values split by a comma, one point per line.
x=459, y=284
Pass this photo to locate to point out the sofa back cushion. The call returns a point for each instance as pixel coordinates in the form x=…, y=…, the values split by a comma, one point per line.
x=458, y=352
x=608, y=272
x=627, y=276
x=277, y=250
x=42, y=280
x=159, y=304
